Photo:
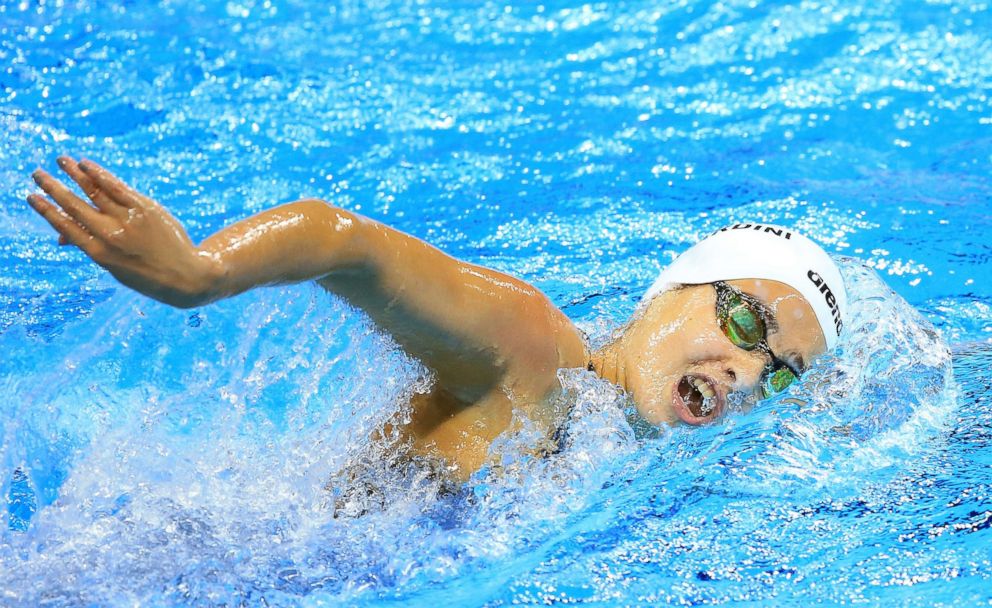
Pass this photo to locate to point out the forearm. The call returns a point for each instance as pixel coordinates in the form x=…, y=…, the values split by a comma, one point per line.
x=147, y=249
x=295, y=242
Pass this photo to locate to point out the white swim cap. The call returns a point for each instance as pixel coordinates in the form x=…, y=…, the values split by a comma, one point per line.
x=764, y=251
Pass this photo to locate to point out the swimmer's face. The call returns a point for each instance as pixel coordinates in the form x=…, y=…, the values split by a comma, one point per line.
x=681, y=366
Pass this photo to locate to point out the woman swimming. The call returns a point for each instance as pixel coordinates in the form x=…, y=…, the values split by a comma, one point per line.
x=743, y=312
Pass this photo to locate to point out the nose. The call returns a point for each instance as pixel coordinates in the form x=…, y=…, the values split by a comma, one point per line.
x=744, y=368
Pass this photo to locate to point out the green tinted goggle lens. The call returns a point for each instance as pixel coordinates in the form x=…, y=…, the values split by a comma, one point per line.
x=742, y=324
x=745, y=328
x=776, y=381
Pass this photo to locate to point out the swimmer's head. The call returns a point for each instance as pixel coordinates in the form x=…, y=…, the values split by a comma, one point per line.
x=764, y=251
x=738, y=316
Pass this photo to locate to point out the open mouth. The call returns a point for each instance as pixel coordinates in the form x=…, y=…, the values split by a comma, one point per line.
x=699, y=397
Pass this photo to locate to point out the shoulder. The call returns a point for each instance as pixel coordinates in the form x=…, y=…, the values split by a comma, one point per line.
x=531, y=328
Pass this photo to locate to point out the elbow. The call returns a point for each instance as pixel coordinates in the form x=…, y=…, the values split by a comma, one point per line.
x=317, y=208
x=339, y=234
x=327, y=216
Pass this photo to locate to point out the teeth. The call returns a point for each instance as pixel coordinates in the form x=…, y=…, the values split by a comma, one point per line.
x=703, y=387
x=709, y=401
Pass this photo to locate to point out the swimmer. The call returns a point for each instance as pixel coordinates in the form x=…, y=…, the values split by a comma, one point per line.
x=743, y=312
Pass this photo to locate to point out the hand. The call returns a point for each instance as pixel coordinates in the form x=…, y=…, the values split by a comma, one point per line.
x=129, y=234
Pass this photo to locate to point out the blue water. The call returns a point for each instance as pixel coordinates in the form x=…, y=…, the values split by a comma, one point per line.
x=219, y=456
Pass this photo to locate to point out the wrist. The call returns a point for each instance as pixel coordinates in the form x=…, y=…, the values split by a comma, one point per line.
x=202, y=282
x=207, y=283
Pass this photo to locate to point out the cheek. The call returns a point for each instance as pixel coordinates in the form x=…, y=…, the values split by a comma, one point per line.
x=695, y=330
x=651, y=382
x=702, y=340
x=674, y=351
x=656, y=410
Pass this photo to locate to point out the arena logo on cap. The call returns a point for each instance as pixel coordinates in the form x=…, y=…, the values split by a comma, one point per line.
x=828, y=296
x=759, y=227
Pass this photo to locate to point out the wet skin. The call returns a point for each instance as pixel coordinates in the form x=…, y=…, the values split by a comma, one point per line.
x=493, y=343
x=677, y=341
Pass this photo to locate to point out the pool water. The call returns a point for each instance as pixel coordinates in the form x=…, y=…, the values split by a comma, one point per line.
x=219, y=456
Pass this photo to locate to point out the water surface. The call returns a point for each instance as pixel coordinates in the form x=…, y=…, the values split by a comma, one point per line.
x=164, y=457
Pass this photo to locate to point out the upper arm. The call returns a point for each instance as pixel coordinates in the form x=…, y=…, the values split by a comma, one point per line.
x=473, y=326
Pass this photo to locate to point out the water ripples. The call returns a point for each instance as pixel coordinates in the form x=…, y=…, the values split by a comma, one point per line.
x=155, y=456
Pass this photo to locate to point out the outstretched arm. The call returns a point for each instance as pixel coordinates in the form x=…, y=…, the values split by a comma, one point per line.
x=148, y=250
x=471, y=325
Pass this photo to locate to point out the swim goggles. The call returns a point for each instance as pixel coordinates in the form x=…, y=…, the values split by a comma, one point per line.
x=744, y=320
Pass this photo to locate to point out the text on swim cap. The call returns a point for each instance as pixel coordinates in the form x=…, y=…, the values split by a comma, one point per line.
x=828, y=296
x=759, y=227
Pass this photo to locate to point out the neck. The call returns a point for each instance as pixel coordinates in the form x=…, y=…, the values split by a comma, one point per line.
x=608, y=363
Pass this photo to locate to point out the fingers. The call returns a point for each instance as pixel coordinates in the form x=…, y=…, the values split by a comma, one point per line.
x=114, y=188
x=75, y=207
x=103, y=202
x=68, y=230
